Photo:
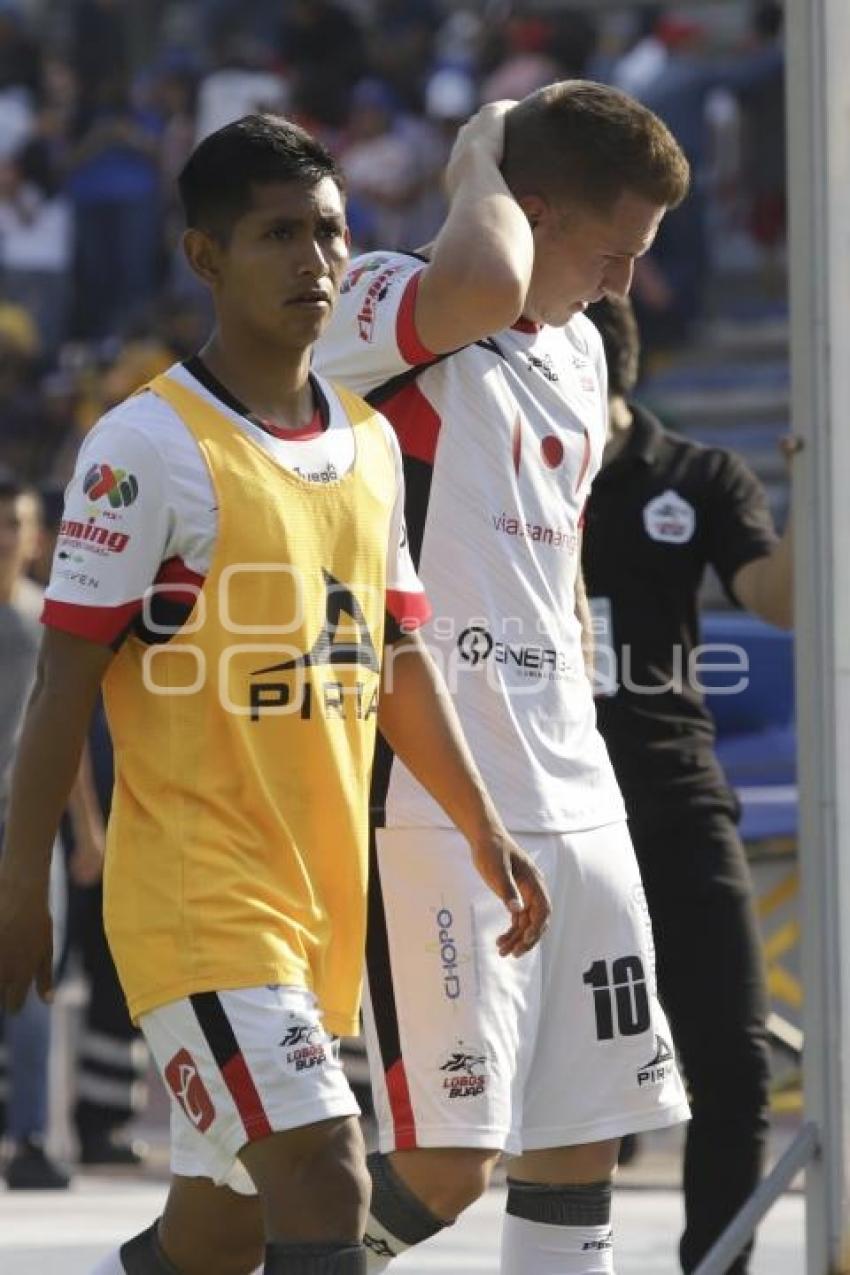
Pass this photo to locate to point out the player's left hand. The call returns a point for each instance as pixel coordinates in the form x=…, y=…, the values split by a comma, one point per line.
x=790, y=445
x=512, y=875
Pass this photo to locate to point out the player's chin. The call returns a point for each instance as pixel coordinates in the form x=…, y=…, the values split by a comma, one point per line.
x=307, y=323
x=557, y=313
x=569, y=311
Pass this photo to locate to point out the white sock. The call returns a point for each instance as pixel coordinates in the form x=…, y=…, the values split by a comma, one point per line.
x=382, y=1247
x=538, y=1248
x=111, y=1265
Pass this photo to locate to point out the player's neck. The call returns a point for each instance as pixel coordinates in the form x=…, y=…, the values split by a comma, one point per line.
x=274, y=385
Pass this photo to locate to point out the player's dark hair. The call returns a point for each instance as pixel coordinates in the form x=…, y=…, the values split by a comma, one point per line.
x=615, y=319
x=586, y=144
x=216, y=184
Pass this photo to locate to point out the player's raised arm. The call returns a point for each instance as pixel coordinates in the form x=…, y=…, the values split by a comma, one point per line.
x=480, y=267
x=418, y=721
x=70, y=670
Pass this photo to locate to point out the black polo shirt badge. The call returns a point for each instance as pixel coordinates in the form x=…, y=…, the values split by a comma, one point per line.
x=670, y=519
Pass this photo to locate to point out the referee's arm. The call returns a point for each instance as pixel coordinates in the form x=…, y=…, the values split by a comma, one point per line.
x=754, y=566
x=765, y=586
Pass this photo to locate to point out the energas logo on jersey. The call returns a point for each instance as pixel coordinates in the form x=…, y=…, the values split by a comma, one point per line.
x=476, y=645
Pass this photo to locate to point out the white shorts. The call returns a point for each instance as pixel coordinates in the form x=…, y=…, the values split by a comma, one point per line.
x=565, y=1045
x=241, y=1065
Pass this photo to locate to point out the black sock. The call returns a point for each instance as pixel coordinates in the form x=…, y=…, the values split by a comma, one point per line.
x=588, y=1204
x=143, y=1255
x=398, y=1219
x=315, y=1259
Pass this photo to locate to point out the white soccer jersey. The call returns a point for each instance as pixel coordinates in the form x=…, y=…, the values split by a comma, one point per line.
x=140, y=509
x=501, y=442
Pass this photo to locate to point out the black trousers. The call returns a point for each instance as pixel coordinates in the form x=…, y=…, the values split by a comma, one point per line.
x=711, y=982
x=112, y=1059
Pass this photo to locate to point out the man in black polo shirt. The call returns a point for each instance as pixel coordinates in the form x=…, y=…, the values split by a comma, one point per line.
x=661, y=510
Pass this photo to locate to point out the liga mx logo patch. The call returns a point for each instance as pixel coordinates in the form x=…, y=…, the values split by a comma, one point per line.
x=116, y=485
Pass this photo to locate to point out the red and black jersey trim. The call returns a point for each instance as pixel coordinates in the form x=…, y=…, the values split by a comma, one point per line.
x=218, y=1032
x=169, y=604
x=105, y=626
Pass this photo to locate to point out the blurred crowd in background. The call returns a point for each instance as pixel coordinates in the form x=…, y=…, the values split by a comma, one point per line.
x=101, y=101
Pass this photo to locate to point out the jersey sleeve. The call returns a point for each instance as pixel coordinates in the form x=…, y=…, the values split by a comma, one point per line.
x=372, y=336
x=407, y=604
x=115, y=531
x=739, y=526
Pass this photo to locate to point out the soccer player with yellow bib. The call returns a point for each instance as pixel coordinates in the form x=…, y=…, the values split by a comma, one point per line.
x=231, y=564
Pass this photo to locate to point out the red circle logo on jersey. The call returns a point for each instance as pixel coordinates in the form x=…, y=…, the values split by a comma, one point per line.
x=553, y=451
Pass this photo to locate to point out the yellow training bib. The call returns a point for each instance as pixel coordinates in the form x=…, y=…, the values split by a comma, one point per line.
x=237, y=846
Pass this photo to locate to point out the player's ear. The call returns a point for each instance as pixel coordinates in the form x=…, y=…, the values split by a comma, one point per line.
x=203, y=253
x=535, y=208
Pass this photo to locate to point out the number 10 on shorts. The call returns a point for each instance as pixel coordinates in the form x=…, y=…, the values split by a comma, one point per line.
x=619, y=996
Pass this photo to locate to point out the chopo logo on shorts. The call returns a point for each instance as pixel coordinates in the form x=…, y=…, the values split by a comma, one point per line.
x=119, y=487
x=184, y=1081
x=448, y=954
x=669, y=519
x=465, y=1072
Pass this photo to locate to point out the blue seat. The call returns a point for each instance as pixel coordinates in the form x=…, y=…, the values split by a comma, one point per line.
x=756, y=734
x=768, y=812
x=760, y=757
